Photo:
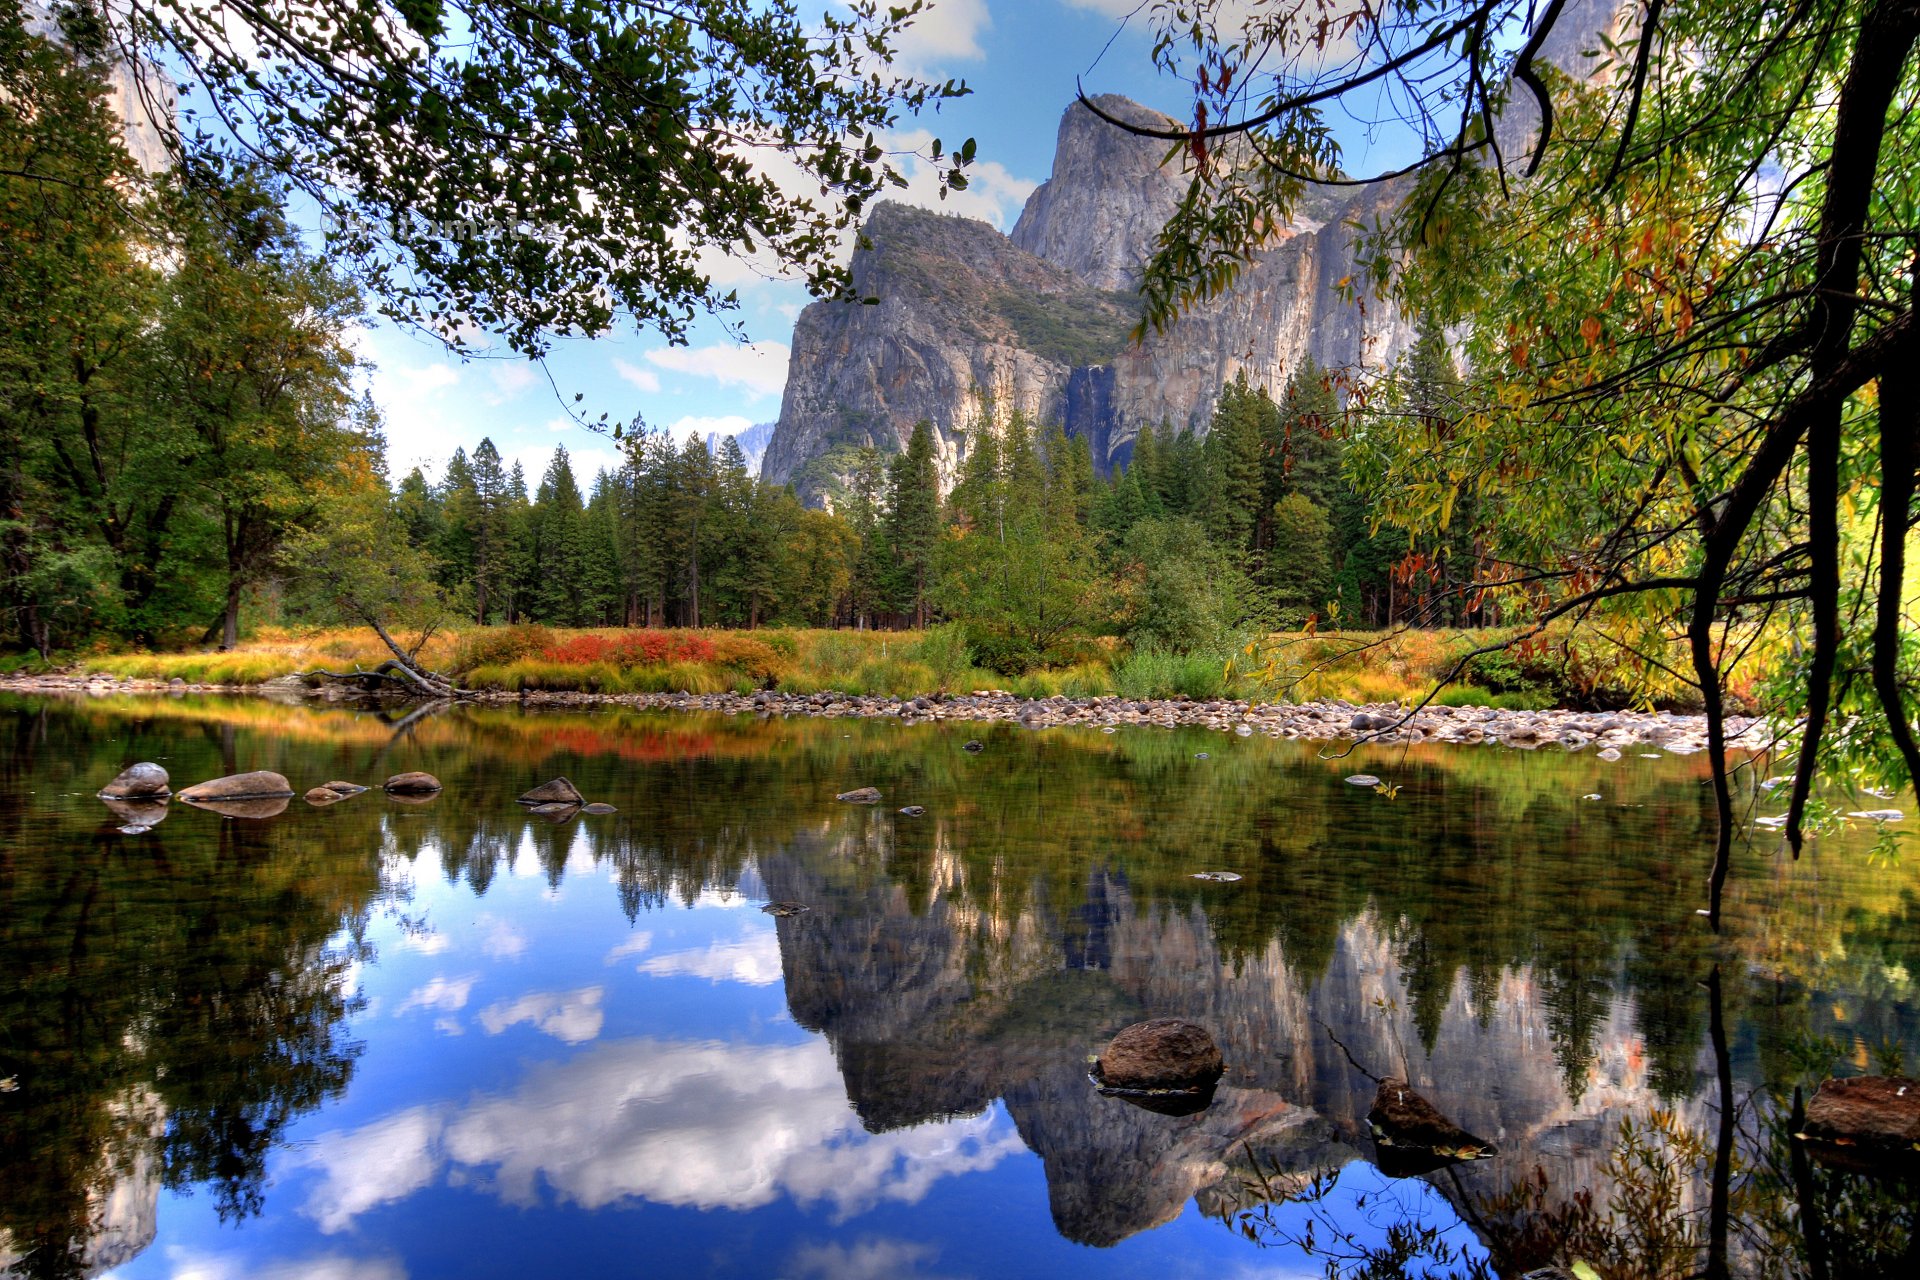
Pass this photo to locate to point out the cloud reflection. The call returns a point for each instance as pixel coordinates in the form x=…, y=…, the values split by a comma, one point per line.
x=754, y=961
x=705, y=1125
x=570, y=1016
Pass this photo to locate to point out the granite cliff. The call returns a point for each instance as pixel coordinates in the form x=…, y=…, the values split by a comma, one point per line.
x=970, y=323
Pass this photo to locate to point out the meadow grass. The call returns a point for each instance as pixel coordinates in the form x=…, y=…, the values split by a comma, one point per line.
x=1359, y=667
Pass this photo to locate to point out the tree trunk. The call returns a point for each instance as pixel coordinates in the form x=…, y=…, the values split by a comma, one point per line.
x=230, y=620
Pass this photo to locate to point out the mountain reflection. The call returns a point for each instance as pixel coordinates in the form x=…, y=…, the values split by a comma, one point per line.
x=174, y=1002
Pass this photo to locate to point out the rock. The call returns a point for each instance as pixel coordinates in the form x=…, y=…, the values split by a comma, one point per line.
x=332, y=793
x=1869, y=1123
x=597, y=808
x=559, y=791
x=1608, y=754
x=975, y=746
x=1163, y=1053
x=1878, y=815
x=785, y=909
x=1219, y=877
x=1363, y=780
x=860, y=795
x=1401, y=1118
x=137, y=816
x=145, y=780
x=1593, y=795
x=913, y=811
x=262, y=784
x=412, y=784
x=553, y=810
x=1203, y=755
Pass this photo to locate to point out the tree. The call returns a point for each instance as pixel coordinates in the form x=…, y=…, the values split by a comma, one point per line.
x=913, y=521
x=1693, y=387
x=560, y=161
x=1299, y=568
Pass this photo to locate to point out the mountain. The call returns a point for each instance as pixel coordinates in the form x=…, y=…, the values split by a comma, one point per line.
x=971, y=324
x=753, y=443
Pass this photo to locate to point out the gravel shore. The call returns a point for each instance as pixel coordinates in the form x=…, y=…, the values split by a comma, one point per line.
x=1612, y=733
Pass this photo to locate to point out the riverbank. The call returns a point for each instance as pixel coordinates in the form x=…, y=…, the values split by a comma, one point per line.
x=1333, y=720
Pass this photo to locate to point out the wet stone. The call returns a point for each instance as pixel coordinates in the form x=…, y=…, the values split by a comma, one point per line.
x=413, y=783
x=1363, y=780
x=558, y=791
x=598, y=809
x=1162, y=1053
x=261, y=784
x=143, y=780
x=785, y=909
x=860, y=795
x=913, y=811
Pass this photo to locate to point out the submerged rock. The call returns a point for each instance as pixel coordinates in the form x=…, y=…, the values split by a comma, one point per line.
x=597, y=808
x=414, y=783
x=860, y=795
x=332, y=793
x=1162, y=1053
x=554, y=810
x=976, y=746
x=137, y=781
x=1608, y=754
x=559, y=791
x=1220, y=877
x=1869, y=1123
x=1407, y=1123
x=913, y=811
x=1363, y=780
x=785, y=909
x=262, y=784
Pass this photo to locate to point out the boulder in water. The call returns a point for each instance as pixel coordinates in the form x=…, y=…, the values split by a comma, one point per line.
x=860, y=795
x=332, y=792
x=1870, y=1124
x=1162, y=1053
x=1407, y=1123
x=414, y=783
x=785, y=909
x=913, y=811
x=1363, y=780
x=598, y=808
x=559, y=791
x=554, y=811
x=256, y=808
x=143, y=781
x=262, y=784
x=976, y=746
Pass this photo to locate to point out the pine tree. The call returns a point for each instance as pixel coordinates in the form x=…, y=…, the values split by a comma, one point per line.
x=913, y=521
x=491, y=552
x=559, y=546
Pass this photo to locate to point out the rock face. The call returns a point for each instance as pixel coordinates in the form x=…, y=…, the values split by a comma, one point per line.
x=142, y=781
x=1161, y=1053
x=262, y=784
x=973, y=325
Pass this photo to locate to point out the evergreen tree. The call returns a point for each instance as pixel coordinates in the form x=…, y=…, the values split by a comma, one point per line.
x=913, y=521
x=559, y=547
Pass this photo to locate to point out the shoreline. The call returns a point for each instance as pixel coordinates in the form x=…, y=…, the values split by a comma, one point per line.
x=1611, y=733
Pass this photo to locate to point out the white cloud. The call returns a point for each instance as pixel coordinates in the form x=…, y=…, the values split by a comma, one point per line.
x=645, y=379
x=703, y=1125
x=573, y=1017
x=867, y=1259
x=510, y=378
x=188, y=1264
x=731, y=425
x=754, y=961
x=947, y=29
x=758, y=367
x=504, y=940
x=443, y=994
x=993, y=195
x=425, y=942
x=633, y=946
x=387, y=1160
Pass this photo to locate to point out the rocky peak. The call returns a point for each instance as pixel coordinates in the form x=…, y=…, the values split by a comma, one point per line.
x=1101, y=210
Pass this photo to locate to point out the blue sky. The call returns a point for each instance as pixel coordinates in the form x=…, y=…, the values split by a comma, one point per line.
x=1021, y=58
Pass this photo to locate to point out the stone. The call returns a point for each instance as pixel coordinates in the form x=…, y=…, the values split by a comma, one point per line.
x=262, y=784
x=414, y=783
x=1869, y=1123
x=1608, y=754
x=1878, y=815
x=553, y=810
x=598, y=809
x=137, y=781
x=1402, y=1118
x=785, y=909
x=1162, y=1053
x=860, y=795
x=559, y=791
x=1363, y=780
x=332, y=793
x=1218, y=877
x=913, y=811
x=976, y=746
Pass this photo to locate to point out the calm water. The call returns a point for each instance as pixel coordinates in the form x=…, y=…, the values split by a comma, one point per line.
x=384, y=1040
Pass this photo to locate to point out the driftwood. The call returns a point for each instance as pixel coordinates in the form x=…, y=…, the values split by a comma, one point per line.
x=413, y=680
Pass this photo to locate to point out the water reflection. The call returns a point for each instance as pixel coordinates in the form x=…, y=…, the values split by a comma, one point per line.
x=346, y=1016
